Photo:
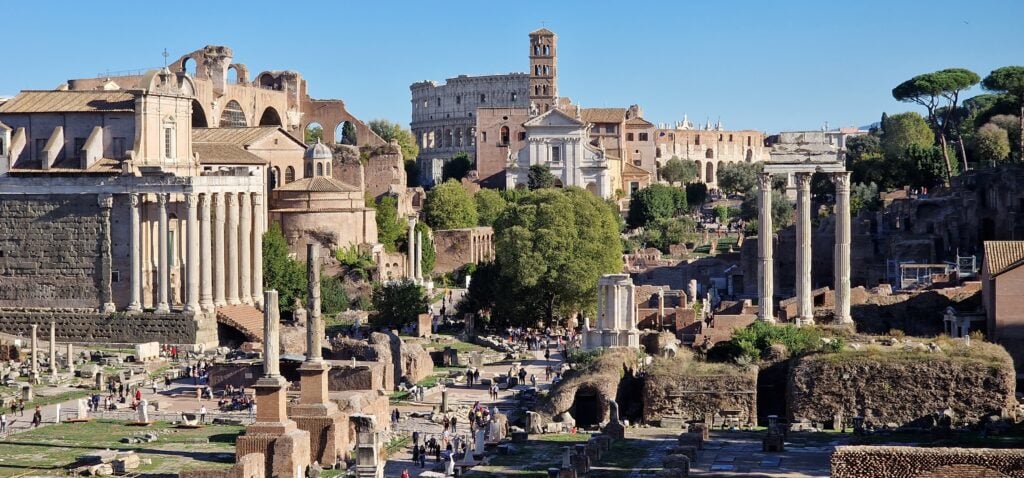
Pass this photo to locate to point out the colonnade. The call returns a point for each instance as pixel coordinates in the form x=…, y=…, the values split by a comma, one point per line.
x=805, y=306
x=481, y=247
x=223, y=250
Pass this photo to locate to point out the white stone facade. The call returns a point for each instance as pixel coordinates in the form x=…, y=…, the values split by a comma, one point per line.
x=562, y=142
x=616, y=315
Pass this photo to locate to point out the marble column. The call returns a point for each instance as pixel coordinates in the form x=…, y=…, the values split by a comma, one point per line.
x=53, y=348
x=35, y=348
x=192, y=253
x=314, y=326
x=419, y=256
x=245, y=248
x=135, y=250
x=271, y=336
x=163, y=273
x=765, y=269
x=205, y=255
x=258, y=220
x=805, y=306
x=106, y=203
x=71, y=359
x=219, y=219
x=231, y=247
x=842, y=248
x=411, y=249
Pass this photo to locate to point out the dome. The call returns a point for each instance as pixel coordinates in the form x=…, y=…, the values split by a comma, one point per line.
x=318, y=151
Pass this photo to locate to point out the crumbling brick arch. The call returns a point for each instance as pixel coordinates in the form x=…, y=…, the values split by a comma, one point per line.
x=241, y=73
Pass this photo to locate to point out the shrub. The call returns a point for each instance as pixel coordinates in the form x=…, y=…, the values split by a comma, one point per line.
x=356, y=261
x=332, y=296
x=753, y=340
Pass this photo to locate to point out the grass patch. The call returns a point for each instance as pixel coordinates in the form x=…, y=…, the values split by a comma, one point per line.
x=455, y=343
x=50, y=449
x=62, y=397
x=334, y=325
x=397, y=444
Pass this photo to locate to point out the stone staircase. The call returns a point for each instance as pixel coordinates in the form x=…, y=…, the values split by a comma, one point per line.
x=246, y=319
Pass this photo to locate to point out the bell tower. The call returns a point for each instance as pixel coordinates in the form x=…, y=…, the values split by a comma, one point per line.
x=543, y=69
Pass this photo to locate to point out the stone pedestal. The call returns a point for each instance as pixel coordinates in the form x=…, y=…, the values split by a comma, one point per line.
x=284, y=445
x=369, y=449
x=319, y=416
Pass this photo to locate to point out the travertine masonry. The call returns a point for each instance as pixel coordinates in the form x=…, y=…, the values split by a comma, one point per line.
x=86, y=327
x=914, y=462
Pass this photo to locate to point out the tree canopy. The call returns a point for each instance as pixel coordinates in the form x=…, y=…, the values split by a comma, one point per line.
x=904, y=130
x=348, y=134
x=677, y=170
x=738, y=178
x=398, y=304
x=696, y=194
x=654, y=203
x=540, y=177
x=489, y=204
x=457, y=167
x=782, y=209
x=280, y=271
x=551, y=247
x=390, y=227
x=992, y=143
x=1009, y=80
x=449, y=206
x=389, y=131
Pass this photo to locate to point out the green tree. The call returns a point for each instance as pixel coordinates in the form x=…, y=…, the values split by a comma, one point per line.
x=722, y=213
x=333, y=296
x=782, y=210
x=864, y=196
x=314, y=133
x=280, y=272
x=457, y=167
x=696, y=194
x=449, y=206
x=738, y=178
x=429, y=254
x=904, y=130
x=1008, y=123
x=398, y=304
x=389, y=131
x=348, y=134
x=859, y=146
x=666, y=232
x=929, y=90
x=552, y=247
x=652, y=203
x=1009, y=80
x=489, y=205
x=540, y=177
x=390, y=227
x=677, y=170
x=992, y=143
x=924, y=166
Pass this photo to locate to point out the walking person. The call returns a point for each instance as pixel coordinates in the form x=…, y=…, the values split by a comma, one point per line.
x=202, y=414
x=454, y=421
x=3, y=422
x=37, y=417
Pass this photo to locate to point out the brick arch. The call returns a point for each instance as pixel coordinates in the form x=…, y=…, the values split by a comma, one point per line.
x=973, y=471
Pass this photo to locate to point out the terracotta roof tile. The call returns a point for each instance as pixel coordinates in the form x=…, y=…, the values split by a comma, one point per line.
x=225, y=153
x=1001, y=256
x=603, y=115
x=238, y=136
x=318, y=184
x=69, y=101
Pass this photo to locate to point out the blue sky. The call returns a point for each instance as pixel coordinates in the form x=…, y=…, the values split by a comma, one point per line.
x=766, y=65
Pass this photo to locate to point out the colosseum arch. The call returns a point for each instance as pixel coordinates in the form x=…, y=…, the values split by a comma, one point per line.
x=270, y=117
x=709, y=175
x=233, y=116
x=188, y=65
x=199, y=115
x=750, y=155
x=709, y=154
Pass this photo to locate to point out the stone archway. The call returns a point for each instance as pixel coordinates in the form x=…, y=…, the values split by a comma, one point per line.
x=199, y=115
x=270, y=117
x=588, y=407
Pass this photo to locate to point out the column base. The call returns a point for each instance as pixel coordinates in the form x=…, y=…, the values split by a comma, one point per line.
x=769, y=319
x=108, y=308
x=191, y=309
x=206, y=306
x=257, y=302
x=804, y=321
x=844, y=320
x=247, y=300
x=134, y=308
x=219, y=303
x=163, y=308
x=234, y=301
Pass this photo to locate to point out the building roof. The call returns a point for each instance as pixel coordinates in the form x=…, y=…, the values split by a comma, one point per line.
x=69, y=102
x=239, y=136
x=639, y=122
x=542, y=31
x=225, y=153
x=318, y=150
x=633, y=170
x=603, y=115
x=318, y=184
x=1001, y=256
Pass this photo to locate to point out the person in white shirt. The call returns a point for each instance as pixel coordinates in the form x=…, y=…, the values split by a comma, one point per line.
x=202, y=414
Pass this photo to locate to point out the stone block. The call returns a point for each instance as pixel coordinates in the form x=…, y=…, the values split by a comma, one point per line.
x=147, y=351
x=691, y=439
x=678, y=462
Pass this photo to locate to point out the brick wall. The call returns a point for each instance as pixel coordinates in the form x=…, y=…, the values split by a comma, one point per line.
x=913, y=462
x=50, y=247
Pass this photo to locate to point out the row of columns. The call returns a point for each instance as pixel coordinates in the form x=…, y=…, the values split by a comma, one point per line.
x=224, y=265
x=481, y=247
x=805, y=306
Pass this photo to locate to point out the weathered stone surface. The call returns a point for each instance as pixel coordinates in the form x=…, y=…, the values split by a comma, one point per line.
x=93, y=327
x=904, y=387
x=917, y=462
x=677, y=387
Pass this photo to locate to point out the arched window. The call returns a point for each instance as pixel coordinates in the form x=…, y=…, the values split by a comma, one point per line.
x=545, y=90
x=270, y=117
x=696, y=140
x=536, y=70
x=547, y=50
x=232, y=116
x=319, y=169
x=730, y=138
x=309, y=170
x=698, y=170
x=458, y=137
x=448, y=138
x=536, y=90
x=709, y=154
x=289, y=174
x=327, y=168
x=709, y=176
x=536, y=49
x=750, y=155
x=275, y=178
x=748, y=140
x=198, y=115
x=504, y=135
x=719, y=136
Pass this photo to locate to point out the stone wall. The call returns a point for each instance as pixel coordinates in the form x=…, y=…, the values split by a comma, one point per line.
x=363, y=376
x=916, y=462
x=92, y=327
x=457, y=247
x=903, y=387
x=680, y=388
x=50, y=251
